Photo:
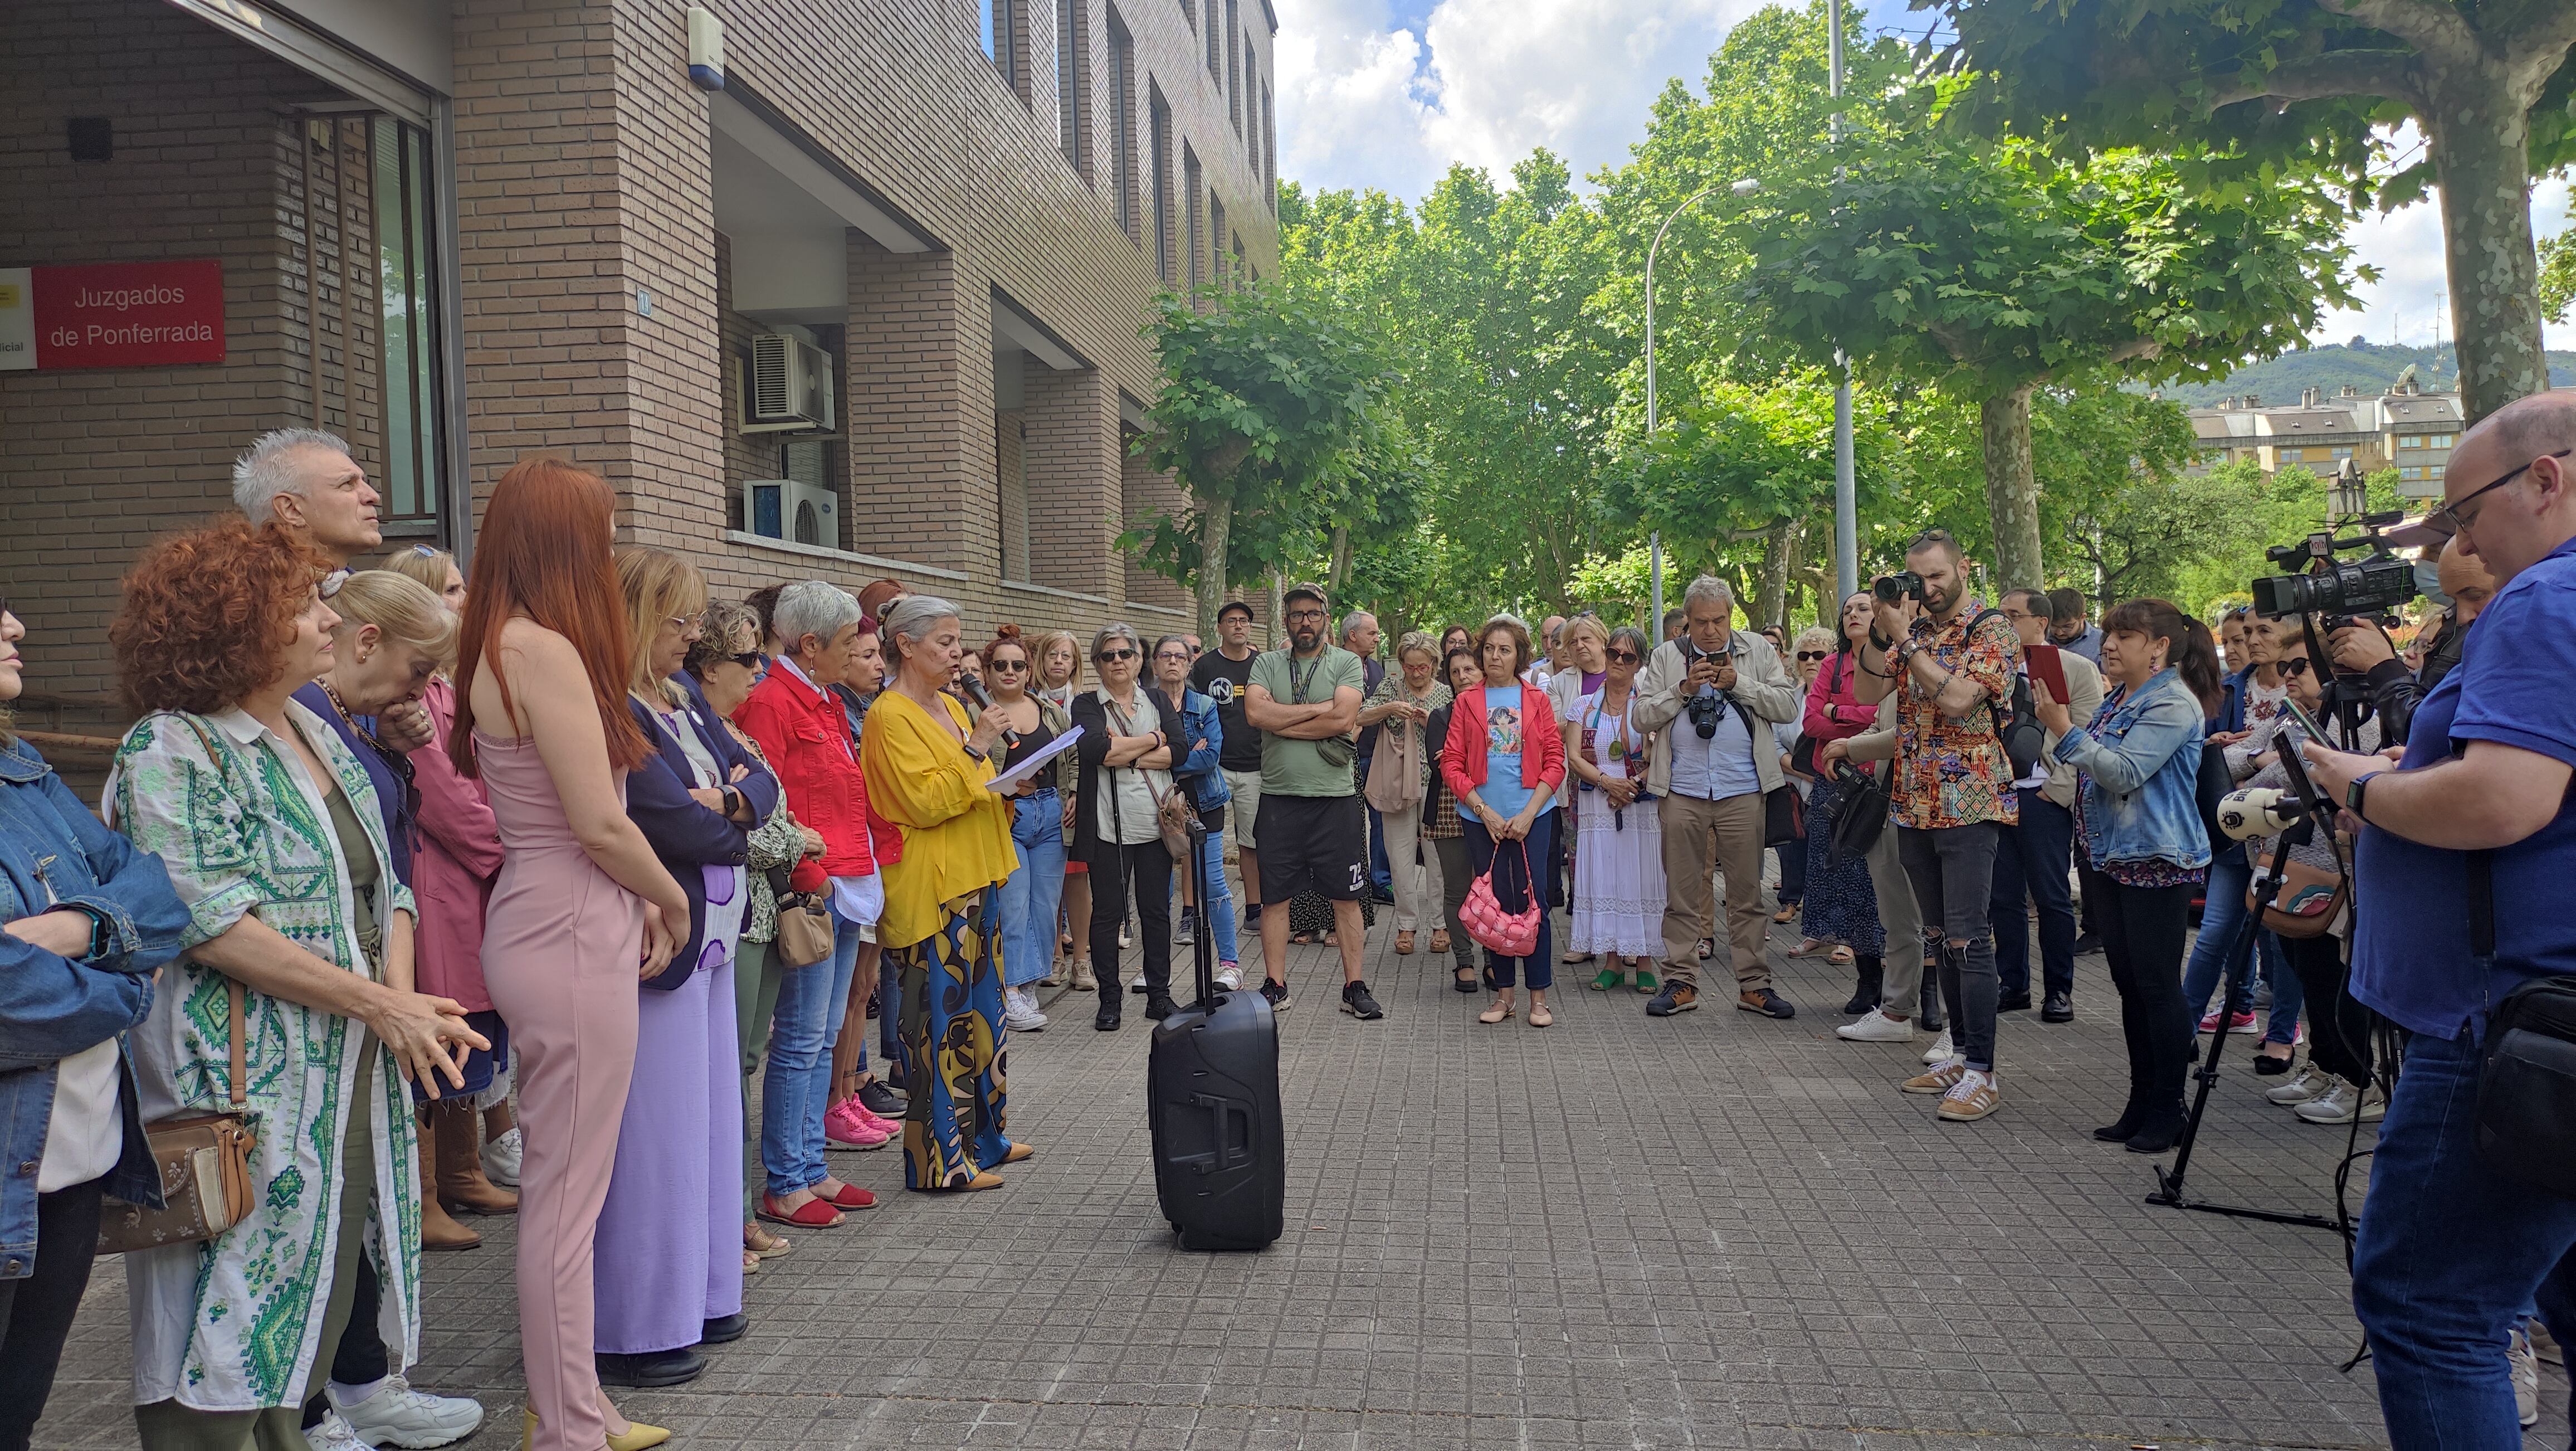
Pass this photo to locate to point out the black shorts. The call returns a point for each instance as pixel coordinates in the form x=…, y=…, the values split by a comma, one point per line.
x=1315, y=844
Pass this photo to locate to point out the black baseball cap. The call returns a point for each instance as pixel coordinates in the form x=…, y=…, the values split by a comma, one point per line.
x=1232, y=607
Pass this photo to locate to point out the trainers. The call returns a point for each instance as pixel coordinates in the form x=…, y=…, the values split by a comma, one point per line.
x=1125, y=938
x=880, y=1100
x=1877, y=1027
x=1020, y=1011
x=1357, y=1002
x=2526, y=1378
x=2311, y=1081
x=1942, y=1049
x=1275, y=994
x=1186, y=932
x=1973, y=1097
x=396, y=1415
x=845, y=1128
x=2340, y=1103
x=1938, y=1080
x=501, y=1159
x=1677, y=997
x=1766, y=1002
x=1229, y=976
x=334, y=1434
x=2236, y=1022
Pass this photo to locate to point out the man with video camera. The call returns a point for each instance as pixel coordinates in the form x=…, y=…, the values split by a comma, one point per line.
x=1951, y=666
x=2363, y=650
x=2466, y=848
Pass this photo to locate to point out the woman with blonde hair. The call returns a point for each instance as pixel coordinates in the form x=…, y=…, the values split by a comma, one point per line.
x=1059, y=671
x=1400, y=709
x=434, y=568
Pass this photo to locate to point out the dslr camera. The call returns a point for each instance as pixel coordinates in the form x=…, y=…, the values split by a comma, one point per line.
x=1905, y=584
x=2313, y=581
x=1704, y=706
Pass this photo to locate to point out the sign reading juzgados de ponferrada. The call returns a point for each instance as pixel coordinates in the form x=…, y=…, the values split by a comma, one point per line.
x=112, y=315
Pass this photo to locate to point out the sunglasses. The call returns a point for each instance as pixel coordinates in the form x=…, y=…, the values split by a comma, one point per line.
x=1806, y=655
x=998, y=666
x=2295, y=666
x=2450, y=520
x=748, y=659
x=1621, y=657
x=1115, y=655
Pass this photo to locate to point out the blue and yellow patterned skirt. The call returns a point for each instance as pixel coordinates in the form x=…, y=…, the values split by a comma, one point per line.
x=954, y=1055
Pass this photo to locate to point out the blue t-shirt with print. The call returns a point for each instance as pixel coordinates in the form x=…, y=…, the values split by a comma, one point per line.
x=1503, y=790
x=2516, y=686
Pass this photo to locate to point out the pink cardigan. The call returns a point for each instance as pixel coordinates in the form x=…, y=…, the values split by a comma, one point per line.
x=452, y=872
x=1833, y=685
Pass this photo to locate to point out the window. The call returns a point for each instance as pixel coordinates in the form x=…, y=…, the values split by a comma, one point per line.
x=1122, y=126
x=1244, y=91
x=1192, y=188
x=1269, y=153
x=1240, y=276
x=2292, y=455
x=1159, y=164
x=1006, y=42
x=1073, y=83
x=1190, y=13
x=2410, y=471
x=2343, y=453
x=1216, y=240
x=2440, y=440
x=1215, y=47
x=404, y=273
x=1234, y=65
x=2412, y=440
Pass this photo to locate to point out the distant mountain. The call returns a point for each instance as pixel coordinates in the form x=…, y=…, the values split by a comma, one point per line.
x=2367, y=366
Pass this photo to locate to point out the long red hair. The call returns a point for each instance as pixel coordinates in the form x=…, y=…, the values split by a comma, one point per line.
x=543, y=553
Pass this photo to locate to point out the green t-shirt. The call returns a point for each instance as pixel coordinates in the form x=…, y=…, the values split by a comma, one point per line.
x=1298, y=768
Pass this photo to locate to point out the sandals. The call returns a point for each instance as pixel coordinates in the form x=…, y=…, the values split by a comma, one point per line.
x=1539, y=1016
x=1464, y=980
x=1499, y=1012
x=1607, y=979
x=1574, y=959
x=761, y=1242
x=1404, y=943
x=1811, y=947
x=1439, y=940
x=812, y=1214
x=1840, y=957
x=1707, y=945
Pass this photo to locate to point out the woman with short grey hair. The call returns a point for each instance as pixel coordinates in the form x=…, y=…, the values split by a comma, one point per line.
x=1126, y=763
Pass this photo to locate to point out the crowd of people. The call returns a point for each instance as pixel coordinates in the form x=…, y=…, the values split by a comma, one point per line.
x=562, y=889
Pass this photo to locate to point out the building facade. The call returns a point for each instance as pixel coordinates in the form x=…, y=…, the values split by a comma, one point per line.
x=843, y=289
x=2408, y=430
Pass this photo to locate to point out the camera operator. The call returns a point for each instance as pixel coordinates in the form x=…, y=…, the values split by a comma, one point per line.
x=1711, y=698
x=2452, y=1249
x=1953, y=789
x=2362, y=648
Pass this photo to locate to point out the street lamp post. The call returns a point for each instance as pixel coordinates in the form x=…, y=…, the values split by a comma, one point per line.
x=1746, y=186
x=1846, y=499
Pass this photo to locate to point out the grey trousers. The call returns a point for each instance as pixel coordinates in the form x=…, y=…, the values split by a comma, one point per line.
x=1901, y=917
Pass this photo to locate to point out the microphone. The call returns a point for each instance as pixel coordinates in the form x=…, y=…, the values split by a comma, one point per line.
x=983, y=702
x=2258, y=811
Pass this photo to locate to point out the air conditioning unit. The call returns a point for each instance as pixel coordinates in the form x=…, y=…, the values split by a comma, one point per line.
x=799, y=513
x=790, y=385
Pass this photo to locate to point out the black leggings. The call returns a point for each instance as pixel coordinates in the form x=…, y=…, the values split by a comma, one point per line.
x=2142, y=934
x=36, y=1311
x=1146, y=868
x=2339, y=1028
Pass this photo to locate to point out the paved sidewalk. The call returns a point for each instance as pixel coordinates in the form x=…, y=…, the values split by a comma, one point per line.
x=1710, y=1231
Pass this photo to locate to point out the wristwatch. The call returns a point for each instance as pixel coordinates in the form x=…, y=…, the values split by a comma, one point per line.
x=732, y=802
x=2352, y=794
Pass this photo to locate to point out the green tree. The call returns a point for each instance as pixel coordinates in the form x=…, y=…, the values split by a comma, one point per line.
x=1986, y=270
x=1270, y=416
x=2558, y=275
x=2306, y=84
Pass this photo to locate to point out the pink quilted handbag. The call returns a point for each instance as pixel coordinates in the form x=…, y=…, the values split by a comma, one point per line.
x=1511, y=934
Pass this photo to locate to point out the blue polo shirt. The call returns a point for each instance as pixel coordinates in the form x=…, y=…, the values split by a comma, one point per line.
x=2516, y=686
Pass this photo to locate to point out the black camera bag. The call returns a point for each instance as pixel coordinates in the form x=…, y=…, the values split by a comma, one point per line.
x=2017, y=725
x=2526, y=1111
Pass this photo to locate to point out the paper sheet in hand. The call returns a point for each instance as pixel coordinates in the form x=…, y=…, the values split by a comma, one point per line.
x=1039, y=758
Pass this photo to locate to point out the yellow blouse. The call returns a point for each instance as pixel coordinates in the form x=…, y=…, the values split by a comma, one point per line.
x=956, y=834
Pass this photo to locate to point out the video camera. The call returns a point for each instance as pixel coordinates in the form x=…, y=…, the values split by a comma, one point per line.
x=2312, y=581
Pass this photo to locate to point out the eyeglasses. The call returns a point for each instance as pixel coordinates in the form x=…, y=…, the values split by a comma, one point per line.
x=2449, y=520
x=1621, y=657
x=681, y=623
x=1115, y=655
x=2295, y=666
x=330, y=583
x=1013, y=666
x=1806, y=655
x=1180, y=657
x=423, y=551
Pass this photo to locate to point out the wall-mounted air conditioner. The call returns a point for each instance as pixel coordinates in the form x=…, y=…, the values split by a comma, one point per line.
x=790, y=385
x=800, y=513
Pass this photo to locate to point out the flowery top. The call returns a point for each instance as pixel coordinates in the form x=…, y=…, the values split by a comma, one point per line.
x=1951, y=772
x=232, y=1324
x=775, y=843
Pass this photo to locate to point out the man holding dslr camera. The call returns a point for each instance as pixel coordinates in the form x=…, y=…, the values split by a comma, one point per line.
x=1951, y=667
x=2455, y=1242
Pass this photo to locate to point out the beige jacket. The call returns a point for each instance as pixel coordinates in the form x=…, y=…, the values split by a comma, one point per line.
x=1769, y=697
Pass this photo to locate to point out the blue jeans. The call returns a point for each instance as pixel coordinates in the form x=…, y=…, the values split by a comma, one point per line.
x=1381, y=872
x=2222, y=913
x=1216, y=913
x=797, y=1086
x=1031, y=895
x=2449, y=1256
x=2031, y=860
x=1514, y=890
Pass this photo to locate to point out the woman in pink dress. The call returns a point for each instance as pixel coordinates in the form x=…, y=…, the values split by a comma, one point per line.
x=581, y=908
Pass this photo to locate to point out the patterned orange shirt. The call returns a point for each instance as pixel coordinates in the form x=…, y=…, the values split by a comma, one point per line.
x=1951, y=772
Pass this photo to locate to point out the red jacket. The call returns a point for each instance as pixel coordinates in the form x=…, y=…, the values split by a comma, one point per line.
x=1462, y=755
x=807, y=739
x=1833, y=686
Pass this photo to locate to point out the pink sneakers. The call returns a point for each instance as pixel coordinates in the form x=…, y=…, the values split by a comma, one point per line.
x=2236, y=1022
x=848, y=1125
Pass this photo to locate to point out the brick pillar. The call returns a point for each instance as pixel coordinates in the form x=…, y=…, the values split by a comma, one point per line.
x=1073, y=470
x=583, y=180
x=920, y=420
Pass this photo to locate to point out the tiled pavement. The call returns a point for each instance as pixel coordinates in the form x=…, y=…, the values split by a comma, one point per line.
x=1711, y=1231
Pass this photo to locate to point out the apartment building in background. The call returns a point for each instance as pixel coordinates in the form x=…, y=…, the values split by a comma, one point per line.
x=841, y=289
x=2405, y=429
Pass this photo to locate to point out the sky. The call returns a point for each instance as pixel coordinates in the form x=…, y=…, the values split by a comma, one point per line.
x=1387, y=93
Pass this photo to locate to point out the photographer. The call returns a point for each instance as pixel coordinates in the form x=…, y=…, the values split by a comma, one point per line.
x=2362, y=648
x=2451, y=1248
x=1711, y=698
x=1953, y=788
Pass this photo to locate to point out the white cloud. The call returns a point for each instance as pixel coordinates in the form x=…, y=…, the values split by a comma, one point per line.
x=2406, y=246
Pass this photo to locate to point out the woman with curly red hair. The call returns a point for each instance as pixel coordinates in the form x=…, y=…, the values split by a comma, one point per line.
x=300, y=936
x=581, y=909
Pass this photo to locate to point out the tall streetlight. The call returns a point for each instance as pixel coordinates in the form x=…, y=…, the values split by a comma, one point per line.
x=1846, y=500
x=1747, y=186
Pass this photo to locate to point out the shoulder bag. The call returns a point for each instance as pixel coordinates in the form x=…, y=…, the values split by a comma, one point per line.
x=804, y=927
x=1395, y=775
x=1863, y=813
x=2526, y=1106
x=1513, y=934
x=1173, y=815
x=204, y=1163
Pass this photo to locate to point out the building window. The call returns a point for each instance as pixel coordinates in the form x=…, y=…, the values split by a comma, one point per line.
x=2440, y=440
x=1215, y=47
x=2343, y=453
x=1246, y=123
x=1073, y=84
x=1197, y=240
x=1234, y=65
x=2292, y=455
x=2410, y=441
x=1269, y=153
x=405, y=283
x=1159, y=120
x=1216, y=241
x=1122, y=126
x=1190, y=13
x=1239, y=275
x=2410, y=471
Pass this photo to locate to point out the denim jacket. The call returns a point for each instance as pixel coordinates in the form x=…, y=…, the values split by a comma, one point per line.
x=1198, y=769
x=54, y=853
x=2141, y=763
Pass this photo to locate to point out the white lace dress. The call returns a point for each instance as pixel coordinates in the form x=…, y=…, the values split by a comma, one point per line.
x=1619, y=893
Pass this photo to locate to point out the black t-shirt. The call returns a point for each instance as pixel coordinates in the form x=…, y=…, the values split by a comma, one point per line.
x=1222, y=681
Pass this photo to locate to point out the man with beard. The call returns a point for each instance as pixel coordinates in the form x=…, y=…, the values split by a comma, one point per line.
x=1305, y=701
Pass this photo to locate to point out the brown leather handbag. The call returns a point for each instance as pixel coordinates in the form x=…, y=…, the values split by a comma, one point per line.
x=204, y=1162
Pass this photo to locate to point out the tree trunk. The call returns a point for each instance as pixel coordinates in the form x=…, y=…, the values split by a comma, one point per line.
x=1771, y=586
x=1216, y=522
x=1341, y=566
x=2012, y=491
x=1278, y=607
x=2479, y=137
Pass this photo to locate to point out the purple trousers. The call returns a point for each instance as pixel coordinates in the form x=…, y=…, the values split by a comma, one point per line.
x=670, y=1235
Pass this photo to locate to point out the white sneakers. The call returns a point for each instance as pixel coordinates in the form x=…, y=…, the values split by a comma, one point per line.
x=501, y=1159
x=2526, y=1378
x=394, y=1414
x=2310, y=1082
x=2341, y=1102
x=1876, y=1026
x=1230, y=977
x=1020, y=1011
x=1942, y=1049
x=333, y=1434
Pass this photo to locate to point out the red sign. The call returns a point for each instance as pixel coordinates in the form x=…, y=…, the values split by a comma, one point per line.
x=128, y=314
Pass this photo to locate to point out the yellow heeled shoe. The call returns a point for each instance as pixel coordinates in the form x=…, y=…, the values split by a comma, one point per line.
x=638, y=1437
x=1020, y=1152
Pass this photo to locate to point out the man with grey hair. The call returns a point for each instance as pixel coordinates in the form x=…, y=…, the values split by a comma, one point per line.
x=304, y=481
x=1712, y=697
x=1360, y=636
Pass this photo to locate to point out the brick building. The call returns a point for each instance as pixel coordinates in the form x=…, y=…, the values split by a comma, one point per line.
x=878, y=294
x=2403, y=428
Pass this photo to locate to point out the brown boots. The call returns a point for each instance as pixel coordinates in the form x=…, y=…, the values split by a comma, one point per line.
x=449, y=1155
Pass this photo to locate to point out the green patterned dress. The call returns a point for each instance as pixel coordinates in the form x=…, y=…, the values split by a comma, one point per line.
x=233, y=1324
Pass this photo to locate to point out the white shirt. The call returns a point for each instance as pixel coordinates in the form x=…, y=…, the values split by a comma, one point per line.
x=1123, y=801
